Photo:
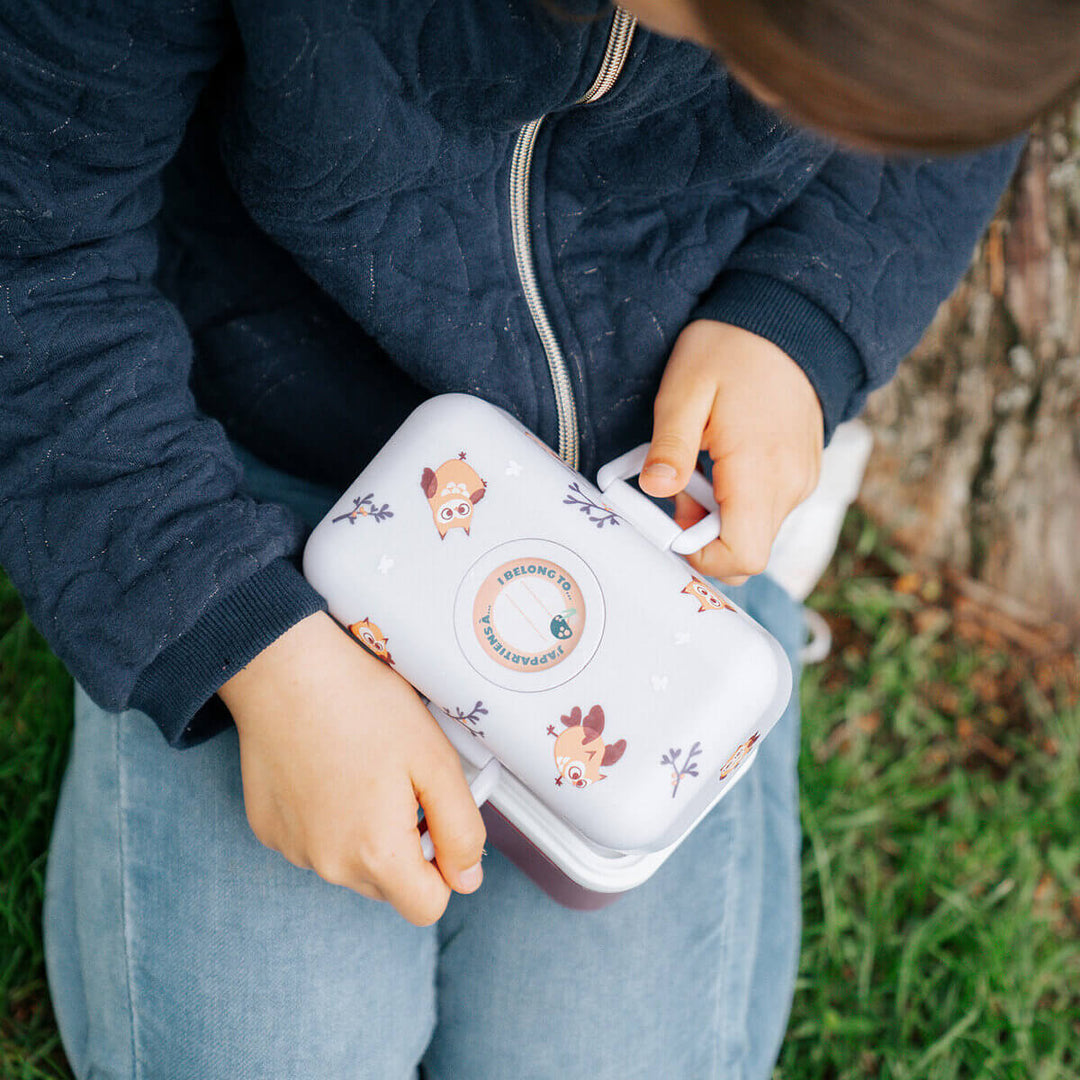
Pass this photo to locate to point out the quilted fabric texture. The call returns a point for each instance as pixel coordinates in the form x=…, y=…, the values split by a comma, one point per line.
x=330, y=242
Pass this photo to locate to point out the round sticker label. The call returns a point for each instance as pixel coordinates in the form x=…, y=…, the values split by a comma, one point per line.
x=534, y=614
x=529, y=613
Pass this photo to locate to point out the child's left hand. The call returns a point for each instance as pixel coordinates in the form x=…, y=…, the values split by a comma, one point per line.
x=745, y=401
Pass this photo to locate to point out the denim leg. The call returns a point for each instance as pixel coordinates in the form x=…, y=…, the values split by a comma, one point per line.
x=690, y=975
x=63, y=962
x=180, y=947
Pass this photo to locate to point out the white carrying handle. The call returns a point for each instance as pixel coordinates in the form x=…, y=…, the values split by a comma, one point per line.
x=611, y=479
x=483, y=784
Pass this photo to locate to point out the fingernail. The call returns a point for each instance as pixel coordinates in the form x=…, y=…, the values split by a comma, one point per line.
x=470, y=879
x=659, y=470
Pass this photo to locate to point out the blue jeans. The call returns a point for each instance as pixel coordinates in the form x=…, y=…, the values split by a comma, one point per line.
x=179, y=947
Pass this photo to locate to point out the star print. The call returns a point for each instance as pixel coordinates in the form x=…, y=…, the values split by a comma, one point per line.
x=551, y=729
x=558, y=781
x=385, y=564
x=513, y=468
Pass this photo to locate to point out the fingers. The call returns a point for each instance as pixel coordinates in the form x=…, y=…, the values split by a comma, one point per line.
x=681, y=411
x=394, y=866
x=371, y=892
x=386, y=863
x=751, y=406
x=687, y=511
x=407, y=880
x=749, y=520
x=333, y=787
x=453, y=822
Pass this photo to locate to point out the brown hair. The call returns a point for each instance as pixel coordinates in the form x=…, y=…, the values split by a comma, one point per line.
x=932, y=75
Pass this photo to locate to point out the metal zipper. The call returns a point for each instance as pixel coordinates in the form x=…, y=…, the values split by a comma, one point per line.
x=618, y=45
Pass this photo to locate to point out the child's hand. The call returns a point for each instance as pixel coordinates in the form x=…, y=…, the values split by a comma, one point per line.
x=336, y=750
x=746, y=402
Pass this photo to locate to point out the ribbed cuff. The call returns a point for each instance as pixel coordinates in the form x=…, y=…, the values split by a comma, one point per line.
x=178, y=688
x=810, y=336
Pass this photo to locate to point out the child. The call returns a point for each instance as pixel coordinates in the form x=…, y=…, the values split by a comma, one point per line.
x=337, y=209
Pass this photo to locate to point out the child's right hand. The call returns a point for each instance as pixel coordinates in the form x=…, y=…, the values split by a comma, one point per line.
x=336, y=751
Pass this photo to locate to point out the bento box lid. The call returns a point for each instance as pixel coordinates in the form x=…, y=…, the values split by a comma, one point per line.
x=612, y=681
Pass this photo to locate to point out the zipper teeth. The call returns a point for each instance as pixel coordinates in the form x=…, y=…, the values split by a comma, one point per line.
x=618, y=45
x=566, y=408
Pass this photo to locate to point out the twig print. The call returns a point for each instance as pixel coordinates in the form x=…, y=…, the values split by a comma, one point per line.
x=365, y=507
x=688, y=767
x=597, y=513
x=468, y=720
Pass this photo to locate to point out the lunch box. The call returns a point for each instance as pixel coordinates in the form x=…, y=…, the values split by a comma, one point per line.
x=602, y=695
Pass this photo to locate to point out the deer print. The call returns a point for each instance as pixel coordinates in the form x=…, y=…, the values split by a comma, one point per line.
x=580, y=753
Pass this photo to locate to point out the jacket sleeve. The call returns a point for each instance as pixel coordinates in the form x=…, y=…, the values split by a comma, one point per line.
x=122, y=522
x=849, y=275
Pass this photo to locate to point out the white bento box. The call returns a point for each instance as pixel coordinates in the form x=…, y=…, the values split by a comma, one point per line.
x=601, y=695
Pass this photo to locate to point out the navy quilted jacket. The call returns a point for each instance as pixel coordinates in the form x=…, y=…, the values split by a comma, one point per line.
x=296, y=217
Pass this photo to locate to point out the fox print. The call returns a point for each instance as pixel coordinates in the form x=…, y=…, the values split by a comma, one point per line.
x=366, y=632
x=708, y=598
x=739, y=756
x=452, y=490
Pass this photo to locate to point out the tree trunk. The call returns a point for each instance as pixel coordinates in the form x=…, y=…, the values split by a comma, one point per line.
x=977, y=440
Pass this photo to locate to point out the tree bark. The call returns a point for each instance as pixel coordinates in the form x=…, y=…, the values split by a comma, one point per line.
x=977, y=440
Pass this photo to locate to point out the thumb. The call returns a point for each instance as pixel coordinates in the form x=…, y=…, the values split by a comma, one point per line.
x=680, y=414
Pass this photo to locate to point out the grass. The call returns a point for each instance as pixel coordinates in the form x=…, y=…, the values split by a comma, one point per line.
x=941, y=813
x=941, y=810
x=35, y=721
